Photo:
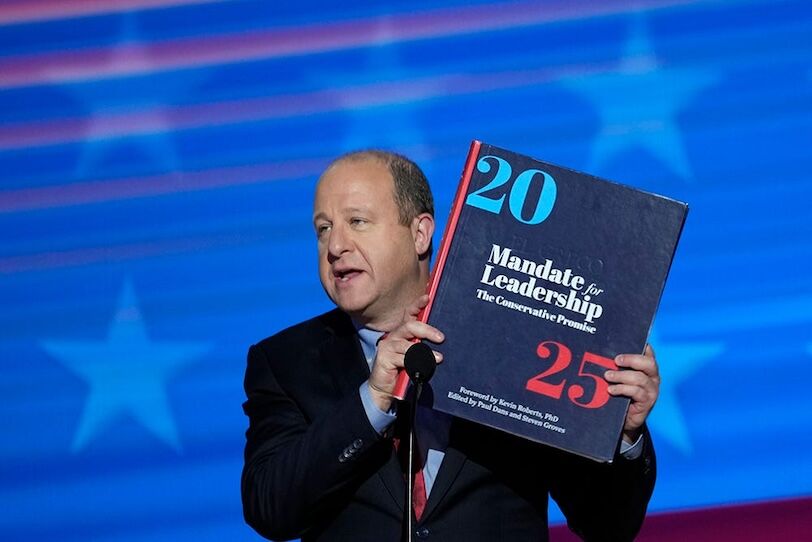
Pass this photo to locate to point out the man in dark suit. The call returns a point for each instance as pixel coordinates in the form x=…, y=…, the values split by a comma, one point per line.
x=319, y=460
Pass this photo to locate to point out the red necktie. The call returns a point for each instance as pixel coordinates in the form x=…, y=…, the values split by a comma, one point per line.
x=419, y=496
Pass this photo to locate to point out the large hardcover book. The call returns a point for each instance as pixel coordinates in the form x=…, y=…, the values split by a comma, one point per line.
x=543, y=276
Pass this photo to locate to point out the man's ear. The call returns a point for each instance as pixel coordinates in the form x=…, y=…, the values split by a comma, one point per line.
x=422, y=232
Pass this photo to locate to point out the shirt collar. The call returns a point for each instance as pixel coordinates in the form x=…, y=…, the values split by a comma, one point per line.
x=369, y=341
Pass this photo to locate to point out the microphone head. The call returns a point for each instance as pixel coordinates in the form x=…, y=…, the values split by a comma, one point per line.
x=419, y=362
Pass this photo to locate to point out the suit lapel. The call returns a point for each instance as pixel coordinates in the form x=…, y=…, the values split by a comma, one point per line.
x=344, y=359
x=342, y=356
x=392, y=479
x=449, y=469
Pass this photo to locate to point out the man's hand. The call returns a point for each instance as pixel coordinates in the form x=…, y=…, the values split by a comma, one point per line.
x=391, y=349
x=641, y=384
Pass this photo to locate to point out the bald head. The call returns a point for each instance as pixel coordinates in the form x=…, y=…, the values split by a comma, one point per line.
x=411, y=188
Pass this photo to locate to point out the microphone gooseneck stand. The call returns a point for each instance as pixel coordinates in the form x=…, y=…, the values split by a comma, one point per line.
x=420, y=365
x=410, y=468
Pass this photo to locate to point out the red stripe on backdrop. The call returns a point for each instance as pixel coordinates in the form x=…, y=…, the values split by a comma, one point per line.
x=27, y=11
x=770, y=521
x=93, y=64
x=105, y=190
x=162, y=119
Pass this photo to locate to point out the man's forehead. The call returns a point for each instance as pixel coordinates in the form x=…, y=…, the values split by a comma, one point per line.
x=355, y=184
x=357, y=166
x=355, y=176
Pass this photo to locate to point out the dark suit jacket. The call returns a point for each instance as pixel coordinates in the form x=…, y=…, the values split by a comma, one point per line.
x=316, y=469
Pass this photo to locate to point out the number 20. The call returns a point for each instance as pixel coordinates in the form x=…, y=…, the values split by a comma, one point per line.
x=518, y=192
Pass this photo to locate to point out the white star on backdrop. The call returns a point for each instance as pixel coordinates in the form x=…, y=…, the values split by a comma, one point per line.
x=104, y=132
x=388, y=125
x=638, y=104
x=678, y=361
x=127, y=374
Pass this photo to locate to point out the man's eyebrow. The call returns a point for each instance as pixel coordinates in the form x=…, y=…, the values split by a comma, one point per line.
x=321, y=215
x=366, y=210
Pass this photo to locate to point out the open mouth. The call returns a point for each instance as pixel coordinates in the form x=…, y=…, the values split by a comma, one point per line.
x=345, y=275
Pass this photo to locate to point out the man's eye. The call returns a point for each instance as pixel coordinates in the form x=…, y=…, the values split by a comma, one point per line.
x=322, y=229
x=358, y=221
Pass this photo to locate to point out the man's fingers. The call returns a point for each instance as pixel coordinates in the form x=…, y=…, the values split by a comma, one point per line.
x=417, y=330
x=634, y=378
x=393, y=350
x=399, y=349
x=395, y=345
x=638, y=378
x=635, y=393
x=631, y=380
x=638, y=362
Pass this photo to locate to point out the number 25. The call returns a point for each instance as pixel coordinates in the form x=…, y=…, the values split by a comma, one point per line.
x=563, y=357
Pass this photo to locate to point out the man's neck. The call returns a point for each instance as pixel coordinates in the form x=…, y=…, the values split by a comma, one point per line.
x=385, y=324
x=393, y=318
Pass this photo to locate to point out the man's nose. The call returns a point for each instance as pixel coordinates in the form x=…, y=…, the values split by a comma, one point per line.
x=339, y=241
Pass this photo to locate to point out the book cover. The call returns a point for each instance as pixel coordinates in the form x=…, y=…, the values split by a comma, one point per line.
x=543, y=276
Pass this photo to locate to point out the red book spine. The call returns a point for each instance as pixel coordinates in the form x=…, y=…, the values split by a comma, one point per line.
x=402, y=384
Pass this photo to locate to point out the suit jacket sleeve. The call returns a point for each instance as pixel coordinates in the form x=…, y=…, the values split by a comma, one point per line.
x=606, y=502
x=299, y=461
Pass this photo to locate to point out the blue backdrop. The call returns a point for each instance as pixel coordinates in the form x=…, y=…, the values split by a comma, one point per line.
x=158, y=159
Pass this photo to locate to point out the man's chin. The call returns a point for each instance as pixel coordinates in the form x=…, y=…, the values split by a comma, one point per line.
x=354, y=307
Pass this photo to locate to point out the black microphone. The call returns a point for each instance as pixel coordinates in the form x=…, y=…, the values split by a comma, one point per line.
x=419, y=363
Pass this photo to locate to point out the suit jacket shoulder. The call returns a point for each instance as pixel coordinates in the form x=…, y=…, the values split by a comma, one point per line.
x=310, y=333
x=316, y=363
